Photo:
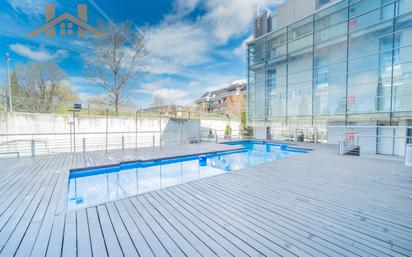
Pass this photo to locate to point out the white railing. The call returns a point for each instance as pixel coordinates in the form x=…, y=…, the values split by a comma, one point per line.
x=311, y=135
x=384, y=140
x=54, y=143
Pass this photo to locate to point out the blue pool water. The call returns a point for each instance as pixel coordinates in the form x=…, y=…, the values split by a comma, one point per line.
x=94, y=186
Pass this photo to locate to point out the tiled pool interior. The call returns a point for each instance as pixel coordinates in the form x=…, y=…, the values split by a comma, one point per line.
x=94, y=186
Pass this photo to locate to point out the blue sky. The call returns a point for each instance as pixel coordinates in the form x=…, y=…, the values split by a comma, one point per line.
x=193, y=45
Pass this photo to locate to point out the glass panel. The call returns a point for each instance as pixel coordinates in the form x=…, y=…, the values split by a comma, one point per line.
x=301, y=76
x=306, y=42
x=301, y=28
x=405, y=38
x=370, y=47
x=300, y=63
x=371, y=18
x=363, y=7
x=378, y=30
x=364, y=63
x=403, y=55
x=300, y=99
x=402, y=90
x=332, y=54
x=331, y=9
x=260, y=95
x=405, y=6
x=331, y=20
x=276, y=94
x=326, y=35
x=403, y=22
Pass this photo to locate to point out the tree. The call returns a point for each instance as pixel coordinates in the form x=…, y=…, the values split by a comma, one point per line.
x=246, y=130
x=158, y=102
x=43, y=84
x=14, y=85
x=115, y=59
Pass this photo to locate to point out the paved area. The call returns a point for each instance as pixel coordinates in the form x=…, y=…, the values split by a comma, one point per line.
x=318, y=204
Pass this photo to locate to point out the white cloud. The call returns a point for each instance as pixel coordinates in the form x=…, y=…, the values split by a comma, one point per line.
x=39, y=55
x=241, y=49
x=181, y=8
x=174, y=47
x=32, y=8
x=176, y=44
x=170, y=94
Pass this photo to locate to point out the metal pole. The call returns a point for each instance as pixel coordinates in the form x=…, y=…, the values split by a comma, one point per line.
x=136, y=131
x=71, y=142
x=107, y=126
x=9, y=83
x=160, y=129
x=74, y=131
x=122, y=142
x=33, y=147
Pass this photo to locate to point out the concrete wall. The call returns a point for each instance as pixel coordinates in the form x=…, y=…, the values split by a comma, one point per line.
x=55, y=130
x=294, y=10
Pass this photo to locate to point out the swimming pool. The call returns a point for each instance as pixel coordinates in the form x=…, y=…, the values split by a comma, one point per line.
x=94, y=186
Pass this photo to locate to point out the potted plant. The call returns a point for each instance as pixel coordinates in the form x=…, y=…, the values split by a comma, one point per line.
x=228, y=132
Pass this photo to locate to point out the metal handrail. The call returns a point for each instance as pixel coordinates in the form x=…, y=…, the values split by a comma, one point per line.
x=28, y=144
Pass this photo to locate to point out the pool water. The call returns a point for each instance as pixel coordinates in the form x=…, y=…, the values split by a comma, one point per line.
x=94, y=186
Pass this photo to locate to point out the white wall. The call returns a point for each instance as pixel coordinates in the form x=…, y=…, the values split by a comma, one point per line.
x=57, y=138
x=294, y=10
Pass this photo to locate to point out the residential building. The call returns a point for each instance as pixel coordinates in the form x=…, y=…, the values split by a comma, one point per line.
x=342, y=62
x=229, y=100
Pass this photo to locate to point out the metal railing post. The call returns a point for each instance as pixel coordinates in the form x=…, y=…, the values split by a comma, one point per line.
x=122, y=142
x=33, y=148
x=154, y=140
x=84, y=145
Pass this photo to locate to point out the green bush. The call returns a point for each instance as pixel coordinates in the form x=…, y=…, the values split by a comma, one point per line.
x=228, y=130
x=246, y=130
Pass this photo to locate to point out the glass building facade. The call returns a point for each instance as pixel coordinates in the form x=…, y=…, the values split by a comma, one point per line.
x=347, y=64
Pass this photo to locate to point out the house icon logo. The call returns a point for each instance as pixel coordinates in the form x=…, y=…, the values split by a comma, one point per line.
x=65, y=24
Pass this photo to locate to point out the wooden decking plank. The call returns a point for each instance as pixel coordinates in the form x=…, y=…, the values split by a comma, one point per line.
x=128, y=246
x=139, y=241
x=273, y=221
x=172, y=248
x=54, y=247
x=336, y=216
x=288, y=219
x=177, y=237
x=43, y=237
x=155, y=244
x=23, y=210
x=29, y=236
x=234, y=242
x=330, y=225
x=97, y=241
x=203, y=232
x=179, y=226
x=112, y=242
x=70, y=236
x=250, y=231
x=83, y=235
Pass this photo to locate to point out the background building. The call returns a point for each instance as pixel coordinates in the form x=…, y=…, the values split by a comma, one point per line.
x=330, y=63
x=230, y=100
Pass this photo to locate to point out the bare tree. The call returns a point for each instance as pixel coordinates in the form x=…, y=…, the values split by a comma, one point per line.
x=43, y=82
x=115, y=59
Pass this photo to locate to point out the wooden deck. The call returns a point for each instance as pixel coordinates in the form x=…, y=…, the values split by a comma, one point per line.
x=319, y=204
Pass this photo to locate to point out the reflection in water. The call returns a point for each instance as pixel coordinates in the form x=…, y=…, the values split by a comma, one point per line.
x=93, y=187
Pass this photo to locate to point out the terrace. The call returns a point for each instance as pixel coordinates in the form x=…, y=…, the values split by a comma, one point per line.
x=300, y=206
